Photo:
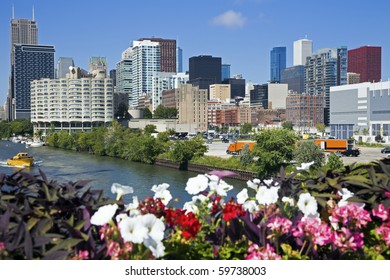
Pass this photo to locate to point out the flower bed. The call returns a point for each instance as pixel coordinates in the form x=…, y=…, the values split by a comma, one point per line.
x=335, y=215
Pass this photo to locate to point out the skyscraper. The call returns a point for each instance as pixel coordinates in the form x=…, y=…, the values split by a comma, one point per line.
x=167, y=53
x=302, y=49
x=179, y=60
x=324, y=69
x=63, y=65
x=22, y=31
x=205, y=70
x=225, y=71
x=31, y=62
x=366, y=61
x=278, y=63
x=294, y=77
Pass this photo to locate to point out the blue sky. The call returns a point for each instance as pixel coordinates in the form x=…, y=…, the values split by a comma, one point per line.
x=242, y=32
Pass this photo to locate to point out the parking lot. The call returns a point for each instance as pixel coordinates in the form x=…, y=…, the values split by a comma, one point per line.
x=218, y=148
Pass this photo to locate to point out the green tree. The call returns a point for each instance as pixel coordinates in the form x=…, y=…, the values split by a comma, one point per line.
x=246, y=128
x=5, y=129
x=334, y=162
x=321, y=128
x=141, y=148
x=146, y=114
x=162, y=112
x=150, y=128
x=308, y=151
x=274, y=148
x=288, y=125
x=246, y=157
x=365, y=131
x=184, y=151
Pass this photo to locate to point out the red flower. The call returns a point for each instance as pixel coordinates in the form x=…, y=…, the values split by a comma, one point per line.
x=187, y=223
x=232, y=210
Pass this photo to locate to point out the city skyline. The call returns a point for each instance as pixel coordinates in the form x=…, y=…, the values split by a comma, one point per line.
x=241, y=32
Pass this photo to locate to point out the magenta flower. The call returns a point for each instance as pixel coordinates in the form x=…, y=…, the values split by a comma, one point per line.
x=222, y=173
x=262, y=253
x=279, y=224
x=317, y=231
x=381, y=212
x=385, y=232
x=351, y=215
x=346, y=240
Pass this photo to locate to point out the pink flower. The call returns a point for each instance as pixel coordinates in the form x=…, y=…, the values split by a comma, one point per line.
x=351, y=215
x=280, y=224
x=381, y=212
x=262, y=253
x=385, y=232
x=2, y=246
x=319, y=232
x=346, y=240
x=387, y=194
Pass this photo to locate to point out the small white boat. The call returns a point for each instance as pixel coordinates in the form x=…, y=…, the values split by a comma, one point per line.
x=35, y=144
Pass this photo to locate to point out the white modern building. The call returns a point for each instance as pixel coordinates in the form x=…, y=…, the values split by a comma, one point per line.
x=302, y=49
x=75, y=103
x=165, y=81
x=360, y=109
x=277, y=94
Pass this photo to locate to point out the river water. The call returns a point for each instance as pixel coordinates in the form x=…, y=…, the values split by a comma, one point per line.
x=64, y=166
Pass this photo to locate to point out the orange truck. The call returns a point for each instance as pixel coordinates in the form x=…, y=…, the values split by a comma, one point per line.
x=345, y=147
x=236, y=147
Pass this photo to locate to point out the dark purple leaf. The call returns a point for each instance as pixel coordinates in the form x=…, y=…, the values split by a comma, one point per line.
x=4, y=221
x=28, y=246
x=57, y=255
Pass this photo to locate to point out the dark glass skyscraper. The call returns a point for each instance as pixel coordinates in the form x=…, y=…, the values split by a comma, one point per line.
x=225, y=71
x=205, y=70
x=278, y=63
x=31, y=62
x=294, y=77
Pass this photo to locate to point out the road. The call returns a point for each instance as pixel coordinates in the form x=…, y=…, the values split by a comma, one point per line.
x=366, y=154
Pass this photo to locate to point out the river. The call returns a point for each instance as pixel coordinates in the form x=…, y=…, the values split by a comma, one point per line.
x=64, y=166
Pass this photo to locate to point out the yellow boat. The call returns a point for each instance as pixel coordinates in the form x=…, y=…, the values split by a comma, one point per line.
x=21, y=159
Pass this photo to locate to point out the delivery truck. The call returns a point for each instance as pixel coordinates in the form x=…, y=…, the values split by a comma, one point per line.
x=236, y=147
x=343, y=146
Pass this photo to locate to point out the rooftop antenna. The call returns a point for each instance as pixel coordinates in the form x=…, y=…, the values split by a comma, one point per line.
x=33, y=13
x=306, y=36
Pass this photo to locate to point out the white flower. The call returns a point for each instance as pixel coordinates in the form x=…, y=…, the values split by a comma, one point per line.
x=220, y=188
x=190, y=206
x=133, y=207
x=156, y=247
x=162, y=193
x=120, y=190
x=154, y=225
x=305, y=166
x=288, y=200
x=197, y=184
x=253, y=184
x=133, y=230
x=104, y=214
x=121, y=217
x=345, y=194
x=307, y=204
x=266, y=196
x=250, y=206
x=242, y=196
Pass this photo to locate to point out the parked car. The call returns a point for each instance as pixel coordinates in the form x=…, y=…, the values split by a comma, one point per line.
x=385, y=150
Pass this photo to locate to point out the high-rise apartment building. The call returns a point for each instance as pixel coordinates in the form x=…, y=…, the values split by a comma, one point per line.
x=278, y=63
x=75, y=103
x=302, y=49
x=124, y=81
x=22, y=31
x=366, y=61
x=324, y=69
x=63, y=65
x=167, y=53
x=205, y=70
x=31, y=62
x=192, y=107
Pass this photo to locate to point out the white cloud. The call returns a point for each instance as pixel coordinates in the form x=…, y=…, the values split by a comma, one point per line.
x=230, y=19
